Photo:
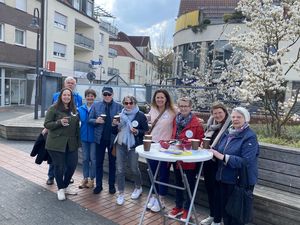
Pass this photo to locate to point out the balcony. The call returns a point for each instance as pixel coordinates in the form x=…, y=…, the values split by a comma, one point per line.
x=83, y=42
x=112, y=71
x=110, y=29
x=81, y=66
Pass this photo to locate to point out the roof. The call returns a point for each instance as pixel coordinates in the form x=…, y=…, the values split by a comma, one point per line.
x=121, y=50
x=211, y=8
x=136, y=41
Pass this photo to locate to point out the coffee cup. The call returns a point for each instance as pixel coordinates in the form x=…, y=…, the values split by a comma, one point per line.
x=206, y=143
x=195, y=144
x=147, y=145
x=103, y=116
x=148, y=137
x=117, y=117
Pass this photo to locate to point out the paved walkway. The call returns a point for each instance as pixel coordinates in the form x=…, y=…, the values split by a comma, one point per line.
x=26, y=199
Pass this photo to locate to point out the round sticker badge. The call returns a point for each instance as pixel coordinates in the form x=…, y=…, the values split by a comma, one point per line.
x=189, y=134
x=134, y=123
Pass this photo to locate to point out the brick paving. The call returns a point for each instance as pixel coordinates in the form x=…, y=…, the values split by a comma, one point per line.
x=14, y=157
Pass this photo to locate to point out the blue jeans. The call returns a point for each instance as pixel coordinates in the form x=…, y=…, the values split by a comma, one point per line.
x=64, y=164
x=88, y=159
x=51, y=171
x=124, y=156
x=100, y=155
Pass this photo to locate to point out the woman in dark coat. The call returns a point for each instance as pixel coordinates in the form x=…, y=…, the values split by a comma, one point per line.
x=62, y=143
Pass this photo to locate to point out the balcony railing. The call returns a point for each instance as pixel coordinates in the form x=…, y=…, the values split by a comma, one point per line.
x=84, y=41
x=81, y=66
x=112, y=30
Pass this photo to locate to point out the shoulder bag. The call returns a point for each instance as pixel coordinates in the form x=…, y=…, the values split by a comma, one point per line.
x=155, y=121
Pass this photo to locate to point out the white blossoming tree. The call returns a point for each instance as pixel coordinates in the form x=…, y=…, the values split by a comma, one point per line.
x=262, y=58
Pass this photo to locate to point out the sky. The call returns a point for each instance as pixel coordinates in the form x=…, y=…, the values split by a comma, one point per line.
x=154, y=18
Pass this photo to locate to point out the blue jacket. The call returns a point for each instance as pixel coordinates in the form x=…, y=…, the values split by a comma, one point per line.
x=98, y=109
x=76, y=96
x=244, y=146
x=86, y=129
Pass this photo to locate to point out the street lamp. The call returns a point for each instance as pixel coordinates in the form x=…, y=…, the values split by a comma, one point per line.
x=35, y=25
x=102, y=71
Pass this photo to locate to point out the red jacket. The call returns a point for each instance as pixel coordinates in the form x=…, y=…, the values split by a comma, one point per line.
x=198, y=133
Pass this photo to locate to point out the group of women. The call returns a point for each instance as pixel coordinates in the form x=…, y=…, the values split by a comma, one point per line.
x=232, y=143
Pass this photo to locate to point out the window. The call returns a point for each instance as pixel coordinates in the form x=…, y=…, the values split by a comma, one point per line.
x=59, y=50
x=1, y=32
x=101, y=38
x=21, y=4
x=112, y=53
x=60, y=20
x=20, y=37
x=76, y=4
x=89, y=8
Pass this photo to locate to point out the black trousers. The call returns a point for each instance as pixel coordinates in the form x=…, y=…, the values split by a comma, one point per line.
x=209, y=173
x=64, y=166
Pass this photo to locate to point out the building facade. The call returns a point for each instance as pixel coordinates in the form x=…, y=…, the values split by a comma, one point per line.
x=17, y=52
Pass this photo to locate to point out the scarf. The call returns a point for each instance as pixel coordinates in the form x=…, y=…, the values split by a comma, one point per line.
x=181, y=122
x=125, y=136
x=234, y=132
x=213, y=126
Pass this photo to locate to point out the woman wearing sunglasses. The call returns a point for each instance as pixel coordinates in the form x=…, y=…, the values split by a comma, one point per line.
x=131, y=129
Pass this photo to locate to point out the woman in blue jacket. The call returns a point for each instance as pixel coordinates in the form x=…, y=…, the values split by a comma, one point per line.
x=87, y=140
x=239, y=144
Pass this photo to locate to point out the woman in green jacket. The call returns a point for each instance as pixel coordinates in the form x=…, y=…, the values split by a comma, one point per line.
x=62, y=143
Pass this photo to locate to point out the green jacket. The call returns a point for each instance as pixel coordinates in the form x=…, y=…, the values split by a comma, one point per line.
x=58, y=135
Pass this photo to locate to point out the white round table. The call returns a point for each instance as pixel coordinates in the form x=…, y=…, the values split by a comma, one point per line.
x=193, y=156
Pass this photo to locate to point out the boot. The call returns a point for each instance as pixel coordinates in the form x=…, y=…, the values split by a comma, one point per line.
x=90, y=183
x=83, y=184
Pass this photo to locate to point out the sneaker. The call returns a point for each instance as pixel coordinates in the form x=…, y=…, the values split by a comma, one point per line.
x=50, y=181
x=136, y=193
x=185, y=215
x=175, y=212
x=155, y=207
x=207, y=221
x=151, y=202
x=112, y=189
x=97, y=190
x=213, y=223
x=69, y=191
x=83, y=184
x=120, y=199
x=90, y=183
x=61, y=194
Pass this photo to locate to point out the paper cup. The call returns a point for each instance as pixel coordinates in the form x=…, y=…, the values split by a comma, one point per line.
x=147, y=145
x=206, y=143
x=148, y=137
x=117, y=117
x=103, y=116
x=195, y=144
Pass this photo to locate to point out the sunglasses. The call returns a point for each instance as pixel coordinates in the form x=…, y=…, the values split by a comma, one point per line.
x=128, y=103
x=107, y=94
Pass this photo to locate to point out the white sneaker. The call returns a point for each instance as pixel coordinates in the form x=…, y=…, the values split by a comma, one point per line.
x=120, y=199
x=61, y=194
x=151, y=202
x=207, y=221
x=136, y=193
x=69, y=191
x=213, y=223
x=155, y=207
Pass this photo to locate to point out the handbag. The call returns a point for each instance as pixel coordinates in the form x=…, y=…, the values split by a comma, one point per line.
x=240, y=202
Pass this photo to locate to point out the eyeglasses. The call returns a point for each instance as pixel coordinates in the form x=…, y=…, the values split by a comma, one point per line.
x=128, y=103
x=183, y=106
x=107, y=94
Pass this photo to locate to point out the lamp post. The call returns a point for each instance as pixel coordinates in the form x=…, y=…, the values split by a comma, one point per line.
x=102, y=71
x=35, y=25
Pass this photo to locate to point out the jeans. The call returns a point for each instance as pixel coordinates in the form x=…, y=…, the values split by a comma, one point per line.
x=163, y=175
x=88, y=159
x=209, y=173
x=100, y=154
x=191, y=177
x=51, y=171
x=124, y=156
x=64, y=164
